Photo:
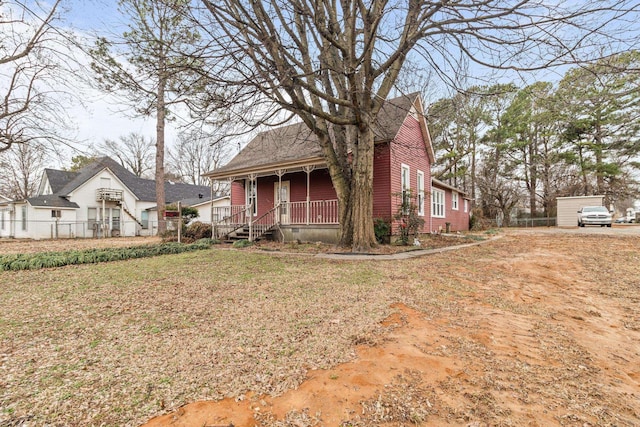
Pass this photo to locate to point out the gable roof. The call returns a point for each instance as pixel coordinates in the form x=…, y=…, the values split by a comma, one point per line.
x=65, y=182
x=295, y=144
x=58, y=179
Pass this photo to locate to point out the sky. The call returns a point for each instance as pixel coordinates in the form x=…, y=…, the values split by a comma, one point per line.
x=98, y=117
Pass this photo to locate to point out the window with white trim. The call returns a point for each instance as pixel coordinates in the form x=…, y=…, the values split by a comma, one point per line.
x=466, y=205
x=454, y=200
x=406, y=187
x=420, y=193
x=1, y=220
x=437, y=203
x=252, y=194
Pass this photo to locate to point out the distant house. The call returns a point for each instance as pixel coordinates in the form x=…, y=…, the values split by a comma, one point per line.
x=102, y=199
x=280, y=180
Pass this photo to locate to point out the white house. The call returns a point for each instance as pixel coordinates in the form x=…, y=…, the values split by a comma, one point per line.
x=102, y=199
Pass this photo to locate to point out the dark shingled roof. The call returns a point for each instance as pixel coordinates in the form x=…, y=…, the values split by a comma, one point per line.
x=296, y=142
x=53, y=201
x=144, y=189
x=58, y=179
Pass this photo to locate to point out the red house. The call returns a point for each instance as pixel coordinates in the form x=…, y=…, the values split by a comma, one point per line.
x=280, y=183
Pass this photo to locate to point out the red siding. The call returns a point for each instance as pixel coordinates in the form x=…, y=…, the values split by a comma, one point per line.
x=237, y=193
x=458, y=219
x=409, y=148
x=381, y=183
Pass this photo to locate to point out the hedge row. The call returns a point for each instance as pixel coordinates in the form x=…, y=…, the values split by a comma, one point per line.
x=58, y=259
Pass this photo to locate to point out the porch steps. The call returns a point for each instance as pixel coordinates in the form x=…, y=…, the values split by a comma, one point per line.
x=243, y=234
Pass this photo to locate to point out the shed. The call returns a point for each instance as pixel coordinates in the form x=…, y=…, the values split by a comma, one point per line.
x=568, y=208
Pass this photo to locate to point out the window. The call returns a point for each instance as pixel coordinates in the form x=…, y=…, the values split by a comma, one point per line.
x=437, y=203
x=252, y=195
x=406, y=188
x=1, y=220
x=115, y=219
x=466, y=205
x=420, y=193
x=23, y=210
x=92, y=218
x=56, y=213
x=144, y=219
x=105, y=182
x=454, y=200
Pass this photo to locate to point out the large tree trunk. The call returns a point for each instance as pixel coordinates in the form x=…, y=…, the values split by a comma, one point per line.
x=361, y=200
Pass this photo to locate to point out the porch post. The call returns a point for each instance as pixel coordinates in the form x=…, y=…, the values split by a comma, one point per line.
x=279, y=172
x=253, y=186
x=308, y=170
x=104, y=224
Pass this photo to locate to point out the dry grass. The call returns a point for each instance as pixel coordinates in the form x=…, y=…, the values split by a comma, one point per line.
x=114, y=344
x=117, y=343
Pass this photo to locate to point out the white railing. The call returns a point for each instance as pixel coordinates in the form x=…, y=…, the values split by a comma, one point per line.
x=262, y=224
x=230, y=215
x=314, y=212
x=227, y=219
x=108, y=194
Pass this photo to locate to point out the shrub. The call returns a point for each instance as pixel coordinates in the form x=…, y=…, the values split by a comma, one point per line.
x=198, y=230
x=382, y=229
x=90, y=256
x=409, y=221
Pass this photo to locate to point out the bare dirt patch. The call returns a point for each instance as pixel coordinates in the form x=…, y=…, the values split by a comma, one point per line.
x=535, y=329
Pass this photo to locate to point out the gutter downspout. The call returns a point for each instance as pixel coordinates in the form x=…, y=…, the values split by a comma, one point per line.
x=430, y=205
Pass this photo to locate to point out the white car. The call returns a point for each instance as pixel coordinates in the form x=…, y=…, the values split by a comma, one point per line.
x=594, y=215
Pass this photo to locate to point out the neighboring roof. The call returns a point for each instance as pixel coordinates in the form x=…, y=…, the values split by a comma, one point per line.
x=51, y=201
x=195, y=201
x=296, y=145
x=580, y=197
x=437, y=183
x=143, y=189
x=58, y=179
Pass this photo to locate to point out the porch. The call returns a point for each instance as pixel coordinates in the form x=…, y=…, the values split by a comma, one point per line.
x=287, y=217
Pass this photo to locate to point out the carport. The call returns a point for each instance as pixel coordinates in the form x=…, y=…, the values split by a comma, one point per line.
x=568, y=208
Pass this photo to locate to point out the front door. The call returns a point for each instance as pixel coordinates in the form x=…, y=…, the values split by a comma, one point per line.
x=283, y=198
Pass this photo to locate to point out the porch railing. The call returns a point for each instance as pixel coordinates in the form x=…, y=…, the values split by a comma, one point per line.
x=109, y=195
x=227, y=219
x=262, y=224
x=313, y=212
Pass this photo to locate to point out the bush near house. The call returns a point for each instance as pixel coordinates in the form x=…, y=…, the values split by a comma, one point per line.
x=35, y=261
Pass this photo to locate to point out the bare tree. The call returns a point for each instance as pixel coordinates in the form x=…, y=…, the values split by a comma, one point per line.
x=21, y=168
x=32, y=65
x=333, y=64
x=133, y=151
x=195, y=153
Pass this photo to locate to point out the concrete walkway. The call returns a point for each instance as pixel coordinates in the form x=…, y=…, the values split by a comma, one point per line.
x=401, y=255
